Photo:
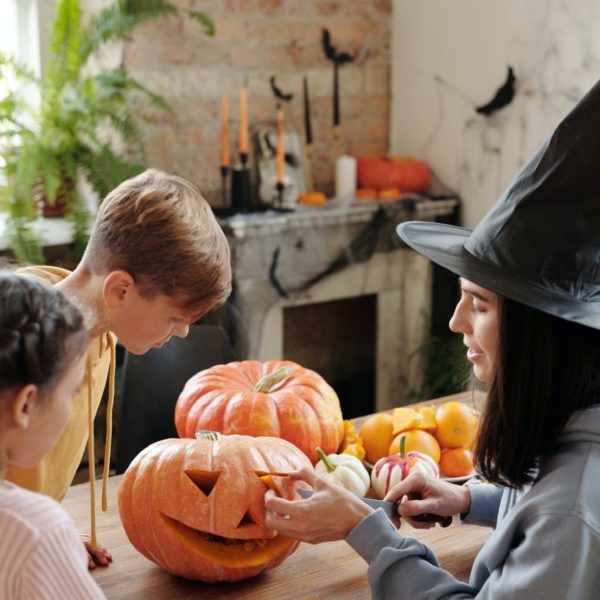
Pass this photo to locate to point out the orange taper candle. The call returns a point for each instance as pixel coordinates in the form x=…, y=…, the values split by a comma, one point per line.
x=224, y=135
x=280, y=153
x=244, y=120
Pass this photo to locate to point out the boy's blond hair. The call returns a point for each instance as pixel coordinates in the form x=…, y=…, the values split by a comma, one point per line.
x=158, y=228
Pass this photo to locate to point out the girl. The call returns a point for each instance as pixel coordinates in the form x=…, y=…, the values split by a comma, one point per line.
x=529, y=314
x=43, y=346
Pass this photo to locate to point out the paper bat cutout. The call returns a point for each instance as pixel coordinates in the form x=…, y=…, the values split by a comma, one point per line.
x=331, y=53
x=278, y=92
x=503, y=96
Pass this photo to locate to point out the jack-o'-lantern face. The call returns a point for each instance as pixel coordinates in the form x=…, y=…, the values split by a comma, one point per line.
x=196, y=507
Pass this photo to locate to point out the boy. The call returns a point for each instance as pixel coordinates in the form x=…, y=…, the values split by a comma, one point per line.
x=156, y=261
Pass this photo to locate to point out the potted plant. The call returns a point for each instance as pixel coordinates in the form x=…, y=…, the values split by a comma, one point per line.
x=86, y=124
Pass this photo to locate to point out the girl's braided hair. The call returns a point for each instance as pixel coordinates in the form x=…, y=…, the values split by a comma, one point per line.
x=41, y=333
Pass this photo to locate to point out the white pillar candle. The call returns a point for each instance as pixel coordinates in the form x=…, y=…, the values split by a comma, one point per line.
x=345, y=177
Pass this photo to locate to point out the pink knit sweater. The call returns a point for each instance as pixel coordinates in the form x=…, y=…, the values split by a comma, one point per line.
x=42, y=556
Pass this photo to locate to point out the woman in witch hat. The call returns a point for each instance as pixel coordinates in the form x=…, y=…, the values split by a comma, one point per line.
x=529, y=314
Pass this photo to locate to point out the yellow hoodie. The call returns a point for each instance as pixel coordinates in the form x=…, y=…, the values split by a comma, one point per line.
x=54, y=474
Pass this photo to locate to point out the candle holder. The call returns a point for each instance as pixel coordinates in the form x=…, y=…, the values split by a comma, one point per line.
x=244, y=159
x=240, y=190
x=279, y=186
x=224, y=176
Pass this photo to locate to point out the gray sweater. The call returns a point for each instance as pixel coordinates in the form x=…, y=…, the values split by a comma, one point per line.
x=546, y=542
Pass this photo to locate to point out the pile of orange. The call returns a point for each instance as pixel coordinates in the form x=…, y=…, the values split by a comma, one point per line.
x=446, y=433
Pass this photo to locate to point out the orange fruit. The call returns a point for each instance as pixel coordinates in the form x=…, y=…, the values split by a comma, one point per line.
x=416, y=440
x=456, y=462
x=376, y=434
x=456, y=425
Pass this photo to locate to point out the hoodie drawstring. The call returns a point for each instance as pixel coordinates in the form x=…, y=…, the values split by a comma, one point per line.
x=91, y=457
x=108, y=440
x=109, y=418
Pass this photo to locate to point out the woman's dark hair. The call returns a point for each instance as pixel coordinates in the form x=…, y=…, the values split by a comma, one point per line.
x=546, y=368
x=41, y=333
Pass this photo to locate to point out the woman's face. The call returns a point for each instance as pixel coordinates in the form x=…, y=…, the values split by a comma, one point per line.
x=476, y=317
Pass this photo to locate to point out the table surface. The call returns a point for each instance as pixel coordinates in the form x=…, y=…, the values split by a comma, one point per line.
x=330, y=570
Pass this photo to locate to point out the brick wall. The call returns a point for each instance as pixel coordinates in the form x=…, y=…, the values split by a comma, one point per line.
x=258, y=39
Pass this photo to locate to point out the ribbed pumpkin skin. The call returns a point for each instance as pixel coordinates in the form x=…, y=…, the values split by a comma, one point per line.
x=156, y=496
x=303, y=409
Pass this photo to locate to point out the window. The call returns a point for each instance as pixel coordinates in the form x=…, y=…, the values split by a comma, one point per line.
x=19, y=38
x=19, y=31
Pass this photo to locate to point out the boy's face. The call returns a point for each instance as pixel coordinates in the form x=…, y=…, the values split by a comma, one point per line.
x=141, y=323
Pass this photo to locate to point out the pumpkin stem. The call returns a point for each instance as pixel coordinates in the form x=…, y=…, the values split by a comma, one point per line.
x=272, y=379
x=326, y=460
x=207, y=434
x=403, y=446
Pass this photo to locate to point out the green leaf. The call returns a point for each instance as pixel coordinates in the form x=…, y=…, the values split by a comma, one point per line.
x=118, y=19
x=446, y=368
x=203, y=19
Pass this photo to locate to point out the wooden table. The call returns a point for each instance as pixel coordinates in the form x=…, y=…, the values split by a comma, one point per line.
x=331, y=570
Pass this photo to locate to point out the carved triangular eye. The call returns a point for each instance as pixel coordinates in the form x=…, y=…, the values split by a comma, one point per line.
x=205, y=481
x=247, y=519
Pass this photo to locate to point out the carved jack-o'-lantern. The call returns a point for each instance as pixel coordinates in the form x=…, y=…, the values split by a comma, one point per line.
x=196, y=507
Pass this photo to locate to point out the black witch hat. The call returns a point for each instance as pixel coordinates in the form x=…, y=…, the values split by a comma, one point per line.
x=540, y=243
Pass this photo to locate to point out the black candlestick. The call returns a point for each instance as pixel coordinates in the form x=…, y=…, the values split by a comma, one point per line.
x=336, y=102
x=279, y=187
x=224, y=173
x=244, y=159
x=307, y=122
x=240, y=190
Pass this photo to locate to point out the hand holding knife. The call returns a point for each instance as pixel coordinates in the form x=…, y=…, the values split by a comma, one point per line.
x=390, y=509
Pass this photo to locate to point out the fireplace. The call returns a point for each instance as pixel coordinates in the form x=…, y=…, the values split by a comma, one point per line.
x=335, y=290
x=337, y=340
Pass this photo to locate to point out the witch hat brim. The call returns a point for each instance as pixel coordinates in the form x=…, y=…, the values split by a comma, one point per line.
x=445, y=246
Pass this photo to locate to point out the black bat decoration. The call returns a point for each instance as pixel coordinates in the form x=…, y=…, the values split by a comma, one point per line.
x=503, y=96
x=278, y=92
x=331, y=53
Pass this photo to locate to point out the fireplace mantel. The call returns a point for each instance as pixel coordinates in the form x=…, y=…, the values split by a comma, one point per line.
x=336, y=252
x=334, y=213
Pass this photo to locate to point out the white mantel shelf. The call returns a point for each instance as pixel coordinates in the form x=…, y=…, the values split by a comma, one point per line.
x=334, y=212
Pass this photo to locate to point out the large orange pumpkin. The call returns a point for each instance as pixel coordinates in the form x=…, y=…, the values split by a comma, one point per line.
x=275, y=398
x=402, y=172
x=196, y=507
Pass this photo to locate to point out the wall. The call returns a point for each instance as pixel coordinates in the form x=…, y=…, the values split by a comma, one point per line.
x=258, y=39
x=449, y=57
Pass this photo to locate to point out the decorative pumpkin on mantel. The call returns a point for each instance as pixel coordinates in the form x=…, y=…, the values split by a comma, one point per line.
x=196, y=507
x=404, y=173
x=274, y=398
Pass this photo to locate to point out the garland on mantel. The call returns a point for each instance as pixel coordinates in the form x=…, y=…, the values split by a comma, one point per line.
x=377, y=236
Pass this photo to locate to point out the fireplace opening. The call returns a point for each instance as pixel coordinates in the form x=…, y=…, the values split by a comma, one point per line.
x=337, y=340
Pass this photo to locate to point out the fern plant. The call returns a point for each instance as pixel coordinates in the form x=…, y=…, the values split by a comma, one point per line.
x=86, y=124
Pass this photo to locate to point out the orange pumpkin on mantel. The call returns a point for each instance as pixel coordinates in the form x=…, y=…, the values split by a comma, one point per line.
x=274, y=398
x=196, y=507
x=402, y=172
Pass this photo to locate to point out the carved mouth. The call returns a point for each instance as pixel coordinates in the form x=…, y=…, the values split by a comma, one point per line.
x=228, y=552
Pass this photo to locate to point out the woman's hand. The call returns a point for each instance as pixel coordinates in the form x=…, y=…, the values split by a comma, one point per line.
x=418, y=494
x=329, y=514
x=97, y=556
